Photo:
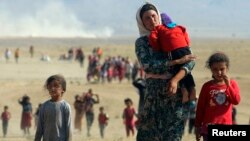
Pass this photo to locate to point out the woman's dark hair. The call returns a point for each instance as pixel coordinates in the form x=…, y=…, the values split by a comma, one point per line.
x=216, y=58
x=56, y=77
x=147, y=7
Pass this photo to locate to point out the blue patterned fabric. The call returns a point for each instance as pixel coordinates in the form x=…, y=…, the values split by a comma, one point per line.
x=161, y=118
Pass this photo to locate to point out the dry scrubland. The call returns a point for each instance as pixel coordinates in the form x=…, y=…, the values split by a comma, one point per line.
x=29, y=75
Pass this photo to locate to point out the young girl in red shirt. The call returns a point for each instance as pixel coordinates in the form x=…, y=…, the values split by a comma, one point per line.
x=217, y=96
x=128, y=117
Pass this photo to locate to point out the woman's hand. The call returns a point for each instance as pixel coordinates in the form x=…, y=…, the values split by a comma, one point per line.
x=183, y=60
x=173, y=83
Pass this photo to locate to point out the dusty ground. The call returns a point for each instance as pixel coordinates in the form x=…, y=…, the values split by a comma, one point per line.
x=29, y=75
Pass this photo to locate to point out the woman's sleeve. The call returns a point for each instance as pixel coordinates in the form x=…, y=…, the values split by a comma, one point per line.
x=188, y=67
x=149, y=63
x=233, y=92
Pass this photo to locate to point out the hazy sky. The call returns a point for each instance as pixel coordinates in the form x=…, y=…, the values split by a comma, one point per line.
x=107, y=18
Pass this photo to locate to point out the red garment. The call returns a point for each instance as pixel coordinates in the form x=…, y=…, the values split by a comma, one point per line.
x=26, y=120
x=128, y=116
x=103, y=118
x=215, y=104
x=167, y=39
x=5, y=116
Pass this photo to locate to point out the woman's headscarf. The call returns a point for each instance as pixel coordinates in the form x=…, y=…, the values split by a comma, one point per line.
x=142, y=30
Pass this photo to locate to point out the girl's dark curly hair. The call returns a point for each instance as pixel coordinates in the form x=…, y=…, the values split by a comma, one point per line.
x=216, y=58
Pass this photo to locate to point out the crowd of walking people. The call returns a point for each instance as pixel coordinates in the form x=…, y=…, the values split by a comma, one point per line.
x=162, y=76
x=100, y=68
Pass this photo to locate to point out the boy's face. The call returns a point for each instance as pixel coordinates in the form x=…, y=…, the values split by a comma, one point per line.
x=101, y=110
x=128, y=103
x=55, y=90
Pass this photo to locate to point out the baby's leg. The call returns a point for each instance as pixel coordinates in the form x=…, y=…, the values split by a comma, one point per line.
x=192, y=94
x=185, y=95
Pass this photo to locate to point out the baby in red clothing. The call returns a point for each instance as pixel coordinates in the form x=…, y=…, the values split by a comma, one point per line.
x=173, y=39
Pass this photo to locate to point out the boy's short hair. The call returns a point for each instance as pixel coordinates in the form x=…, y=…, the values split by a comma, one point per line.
x=6, y=107
x=101, y=108
x=128, y=100
x=57, y=77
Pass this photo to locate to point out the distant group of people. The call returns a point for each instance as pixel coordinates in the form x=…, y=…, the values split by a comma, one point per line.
x=84, y=105
x=54, y=115
x=72, y=54
x=113, y=68
x=8, y=54
x=76, y=54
